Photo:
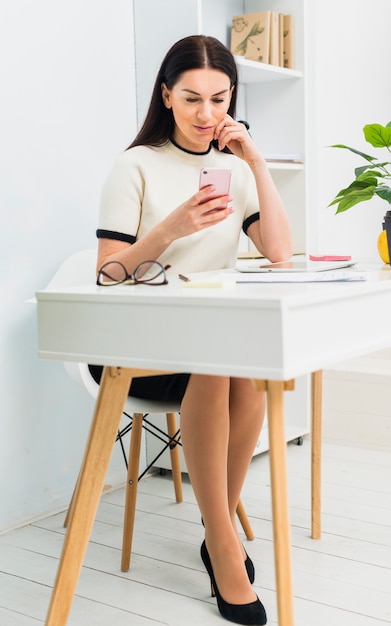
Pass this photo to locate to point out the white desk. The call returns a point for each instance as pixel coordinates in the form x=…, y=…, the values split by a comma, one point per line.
x=268, y=332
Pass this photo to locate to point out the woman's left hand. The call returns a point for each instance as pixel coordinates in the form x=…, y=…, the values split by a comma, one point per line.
x=235, y=136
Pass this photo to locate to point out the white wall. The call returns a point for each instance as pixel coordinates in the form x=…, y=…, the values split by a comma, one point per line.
x=349, y=86
x=67, y=109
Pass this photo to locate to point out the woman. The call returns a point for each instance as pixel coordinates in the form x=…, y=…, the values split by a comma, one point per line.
x=151, y=209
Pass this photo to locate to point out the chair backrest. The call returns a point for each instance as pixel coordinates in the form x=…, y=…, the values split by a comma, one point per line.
x=78, y=269
x=80, y=374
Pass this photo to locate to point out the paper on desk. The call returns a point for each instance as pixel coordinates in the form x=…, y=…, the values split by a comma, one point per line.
x=208, y=280
x=303, y=277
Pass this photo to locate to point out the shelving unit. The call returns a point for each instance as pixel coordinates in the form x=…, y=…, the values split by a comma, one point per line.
x=255, y=72
x=275, y=165
x=271, y=98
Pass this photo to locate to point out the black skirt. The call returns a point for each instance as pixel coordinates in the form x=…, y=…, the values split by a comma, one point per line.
x=164, y=388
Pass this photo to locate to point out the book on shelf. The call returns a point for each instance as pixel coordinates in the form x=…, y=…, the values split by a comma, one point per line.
x=250, y=36
x=288, y=42
x=266, y=37
x=274, y=50
x=281, y=39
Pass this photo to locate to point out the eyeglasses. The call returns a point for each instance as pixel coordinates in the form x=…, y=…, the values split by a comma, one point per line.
x=148, y=273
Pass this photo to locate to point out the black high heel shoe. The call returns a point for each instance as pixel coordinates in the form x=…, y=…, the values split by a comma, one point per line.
x=249, y=565
x=251, y=614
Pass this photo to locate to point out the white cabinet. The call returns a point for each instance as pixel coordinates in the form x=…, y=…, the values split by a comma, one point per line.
x=272, y=99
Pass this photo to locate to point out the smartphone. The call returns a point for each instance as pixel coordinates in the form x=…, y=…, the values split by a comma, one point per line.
x=220, y=178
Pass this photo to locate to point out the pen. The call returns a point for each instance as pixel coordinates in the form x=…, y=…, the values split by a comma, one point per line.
x=184, y=278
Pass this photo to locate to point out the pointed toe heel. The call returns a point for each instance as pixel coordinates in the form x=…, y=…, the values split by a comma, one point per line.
x=251, y=614
x=249, y=565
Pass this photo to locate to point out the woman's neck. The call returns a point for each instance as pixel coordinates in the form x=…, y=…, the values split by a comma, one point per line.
x=191, y=151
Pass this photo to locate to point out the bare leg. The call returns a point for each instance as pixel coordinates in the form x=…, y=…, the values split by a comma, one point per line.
x=206, y=436
x=247, y=412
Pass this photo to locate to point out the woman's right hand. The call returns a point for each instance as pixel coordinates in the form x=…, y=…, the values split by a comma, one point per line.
x=190, y=217
x=197, y=213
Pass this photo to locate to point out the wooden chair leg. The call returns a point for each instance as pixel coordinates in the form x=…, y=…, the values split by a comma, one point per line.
x=72, y=503
x=245, y=522
x=131, y=490
x=172, y=430
x=316, y=453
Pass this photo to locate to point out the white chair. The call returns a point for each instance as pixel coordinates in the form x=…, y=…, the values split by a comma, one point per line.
x=80, y=269
x=137, y=410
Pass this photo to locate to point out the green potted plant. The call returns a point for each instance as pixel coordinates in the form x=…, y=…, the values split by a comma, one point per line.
x=371, y=179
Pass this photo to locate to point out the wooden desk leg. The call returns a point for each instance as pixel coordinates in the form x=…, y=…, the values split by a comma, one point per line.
x=281, y=529
x=107, y=415
x=316, y=453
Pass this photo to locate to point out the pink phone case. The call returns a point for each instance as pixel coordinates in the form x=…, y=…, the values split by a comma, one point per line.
x=220, y=178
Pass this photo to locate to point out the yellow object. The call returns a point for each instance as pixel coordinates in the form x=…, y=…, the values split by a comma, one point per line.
x=382, y=246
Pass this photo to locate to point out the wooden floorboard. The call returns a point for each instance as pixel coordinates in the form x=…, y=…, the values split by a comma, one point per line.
x=343, y=579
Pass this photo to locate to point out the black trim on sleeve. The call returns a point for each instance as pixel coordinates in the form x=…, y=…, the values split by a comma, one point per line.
x=112, y=234
x=250, y=220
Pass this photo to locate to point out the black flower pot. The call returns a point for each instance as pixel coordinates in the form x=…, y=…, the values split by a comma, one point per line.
x=387, y=228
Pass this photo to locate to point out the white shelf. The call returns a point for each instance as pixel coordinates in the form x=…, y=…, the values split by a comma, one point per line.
x=256, y=72
x=276, y=165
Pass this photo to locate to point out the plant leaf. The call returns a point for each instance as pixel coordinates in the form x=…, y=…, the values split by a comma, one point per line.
x=384, y=192
x=369, y=178
x=377, y=135
x=355, y=187
x=359, y=171
x=354, y=198
x=367, y=157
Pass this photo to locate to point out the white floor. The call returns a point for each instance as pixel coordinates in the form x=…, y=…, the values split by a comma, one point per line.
x=342, y=580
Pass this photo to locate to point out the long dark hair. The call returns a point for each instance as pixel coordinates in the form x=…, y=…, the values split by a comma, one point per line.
x=191, y=53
